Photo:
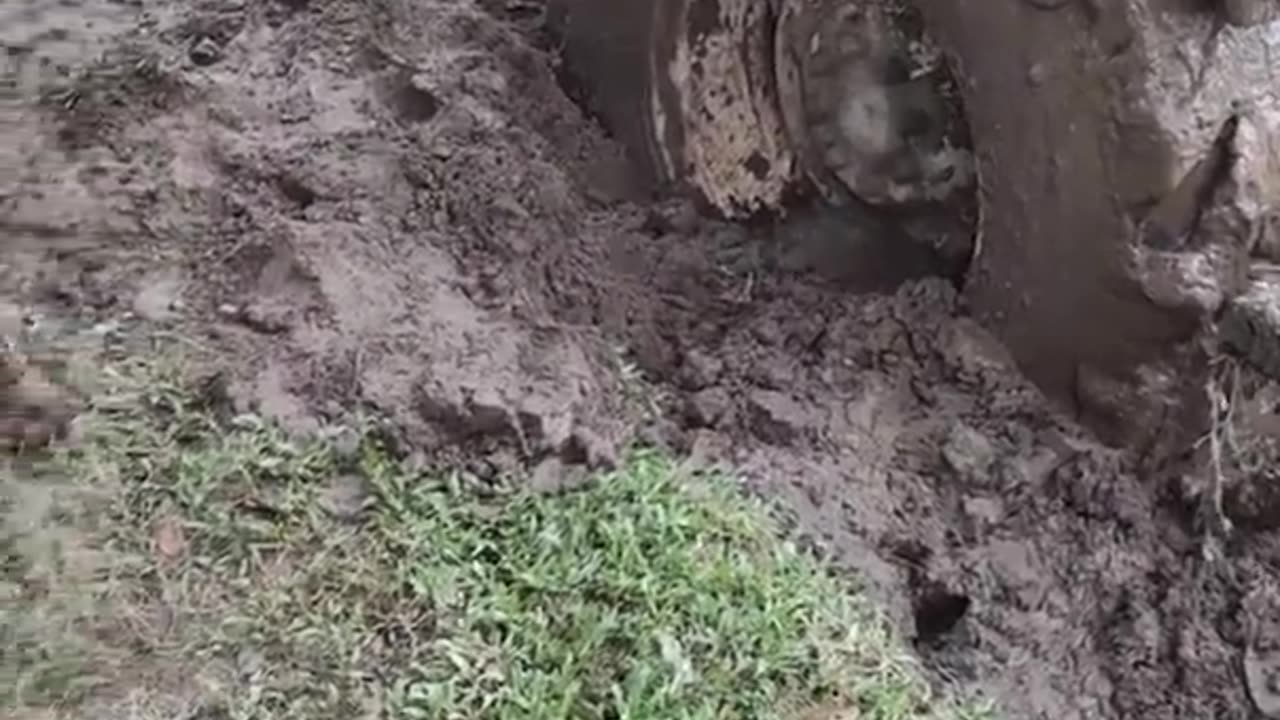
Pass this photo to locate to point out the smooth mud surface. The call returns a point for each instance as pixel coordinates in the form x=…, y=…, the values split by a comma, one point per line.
x=393, y=205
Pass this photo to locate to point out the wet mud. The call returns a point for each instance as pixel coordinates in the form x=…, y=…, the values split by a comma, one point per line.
x=396, y=206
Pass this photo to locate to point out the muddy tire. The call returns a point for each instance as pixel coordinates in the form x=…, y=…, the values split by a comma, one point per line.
x=748, y=103
x=1124, y=150
x=1125, y=186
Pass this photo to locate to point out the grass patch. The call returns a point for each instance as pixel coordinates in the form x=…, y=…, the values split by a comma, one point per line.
x=244, y=576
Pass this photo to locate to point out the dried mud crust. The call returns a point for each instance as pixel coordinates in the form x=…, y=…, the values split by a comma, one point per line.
x=393, y=205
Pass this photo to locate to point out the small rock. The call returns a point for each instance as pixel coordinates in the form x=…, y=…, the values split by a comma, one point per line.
x=205, y=52
x=227, y=310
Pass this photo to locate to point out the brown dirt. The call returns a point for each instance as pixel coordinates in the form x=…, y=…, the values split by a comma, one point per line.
x=393, y=205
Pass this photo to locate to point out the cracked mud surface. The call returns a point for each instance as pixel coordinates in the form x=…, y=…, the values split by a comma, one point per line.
x=393, y=205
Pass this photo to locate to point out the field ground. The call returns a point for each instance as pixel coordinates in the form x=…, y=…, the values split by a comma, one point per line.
x=452, y=390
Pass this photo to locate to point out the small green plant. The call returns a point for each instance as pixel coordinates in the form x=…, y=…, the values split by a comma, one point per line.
x=651, y=594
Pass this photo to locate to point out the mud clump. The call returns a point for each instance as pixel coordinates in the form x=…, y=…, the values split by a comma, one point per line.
x=393, y=206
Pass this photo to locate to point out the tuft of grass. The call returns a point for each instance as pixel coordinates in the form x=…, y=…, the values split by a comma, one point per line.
x=649, y=595
x=245, y=575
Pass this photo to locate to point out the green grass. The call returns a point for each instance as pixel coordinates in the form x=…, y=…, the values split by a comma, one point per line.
x=227, y=587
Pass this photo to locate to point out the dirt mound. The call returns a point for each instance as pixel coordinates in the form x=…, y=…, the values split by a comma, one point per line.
x=393, y=205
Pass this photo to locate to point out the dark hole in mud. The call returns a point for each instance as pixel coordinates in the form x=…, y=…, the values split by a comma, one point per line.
x=758, y=165
x=296, y=191
x=410, y=103
x=936, y=611
x=204, y=52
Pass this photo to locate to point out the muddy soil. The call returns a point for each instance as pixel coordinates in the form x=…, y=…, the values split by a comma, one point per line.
x=393, y=206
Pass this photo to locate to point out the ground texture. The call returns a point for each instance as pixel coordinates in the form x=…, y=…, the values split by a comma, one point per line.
x=393, y=207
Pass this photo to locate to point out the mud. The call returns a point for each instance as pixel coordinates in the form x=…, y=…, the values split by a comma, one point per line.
x=394, y=206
